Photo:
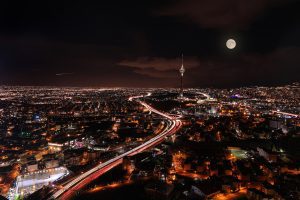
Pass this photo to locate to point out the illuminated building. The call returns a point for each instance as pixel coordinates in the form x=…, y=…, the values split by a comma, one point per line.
x=181, y=71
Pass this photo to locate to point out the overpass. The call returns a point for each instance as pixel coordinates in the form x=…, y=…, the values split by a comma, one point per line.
x=285, y=113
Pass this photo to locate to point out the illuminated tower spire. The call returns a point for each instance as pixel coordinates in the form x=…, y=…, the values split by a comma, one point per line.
x=181, y=71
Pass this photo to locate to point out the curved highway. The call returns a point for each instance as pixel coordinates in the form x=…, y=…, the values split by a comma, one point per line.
x=68, y=190
x=285, y=113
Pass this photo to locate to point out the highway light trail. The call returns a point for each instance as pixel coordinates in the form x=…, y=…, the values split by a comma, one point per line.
x=173, y=125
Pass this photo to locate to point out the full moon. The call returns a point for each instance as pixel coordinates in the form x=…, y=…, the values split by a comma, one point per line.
x=230, y=43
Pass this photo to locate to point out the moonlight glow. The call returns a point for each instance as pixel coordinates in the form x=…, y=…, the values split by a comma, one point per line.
x=231, y=44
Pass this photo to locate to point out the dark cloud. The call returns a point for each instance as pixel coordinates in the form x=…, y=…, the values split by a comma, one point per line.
x=64, y=74
x=40, y=62
x=135, y=43
x=218, y=13
x=159, y=67
x=278, y=67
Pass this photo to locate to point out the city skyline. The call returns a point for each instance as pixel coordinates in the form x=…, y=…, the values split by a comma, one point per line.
x=144, y=100
x=87, y=143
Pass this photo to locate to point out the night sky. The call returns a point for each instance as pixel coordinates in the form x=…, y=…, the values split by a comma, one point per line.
x=139, y=43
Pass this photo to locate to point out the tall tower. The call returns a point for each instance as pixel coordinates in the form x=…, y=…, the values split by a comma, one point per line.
x=181, y=71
